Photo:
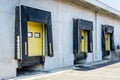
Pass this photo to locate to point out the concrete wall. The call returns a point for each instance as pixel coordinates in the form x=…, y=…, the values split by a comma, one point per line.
x=63, y=13
x=109, y=20
x=8, y=64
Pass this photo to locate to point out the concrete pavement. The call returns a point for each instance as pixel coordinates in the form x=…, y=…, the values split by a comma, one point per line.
x=111, y=72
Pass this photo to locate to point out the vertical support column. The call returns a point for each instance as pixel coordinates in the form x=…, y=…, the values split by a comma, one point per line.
x=96, y=38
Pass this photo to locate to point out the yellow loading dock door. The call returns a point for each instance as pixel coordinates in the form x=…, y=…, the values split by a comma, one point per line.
x=29, y=35
x=107, y=38
x=83, y=40
x=35, y=39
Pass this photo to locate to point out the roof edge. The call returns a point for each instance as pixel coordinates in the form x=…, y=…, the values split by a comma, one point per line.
x=97, y=5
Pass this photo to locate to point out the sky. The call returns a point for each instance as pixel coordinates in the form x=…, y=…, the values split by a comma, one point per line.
x=113, y=3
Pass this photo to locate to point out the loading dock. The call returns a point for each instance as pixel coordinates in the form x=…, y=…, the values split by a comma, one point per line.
x=107, y=40
x=29, y=27
x=54, y=15
x=82, y=39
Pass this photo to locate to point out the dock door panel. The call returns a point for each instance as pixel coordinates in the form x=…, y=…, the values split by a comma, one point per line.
x=83, y=41
x=107, y=38
x=35, y=39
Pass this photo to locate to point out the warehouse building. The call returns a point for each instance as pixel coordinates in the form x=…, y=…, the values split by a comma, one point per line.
x=51, y=34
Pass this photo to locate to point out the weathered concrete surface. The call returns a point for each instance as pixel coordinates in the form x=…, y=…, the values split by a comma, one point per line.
x=105, y=73
x=7, y=62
